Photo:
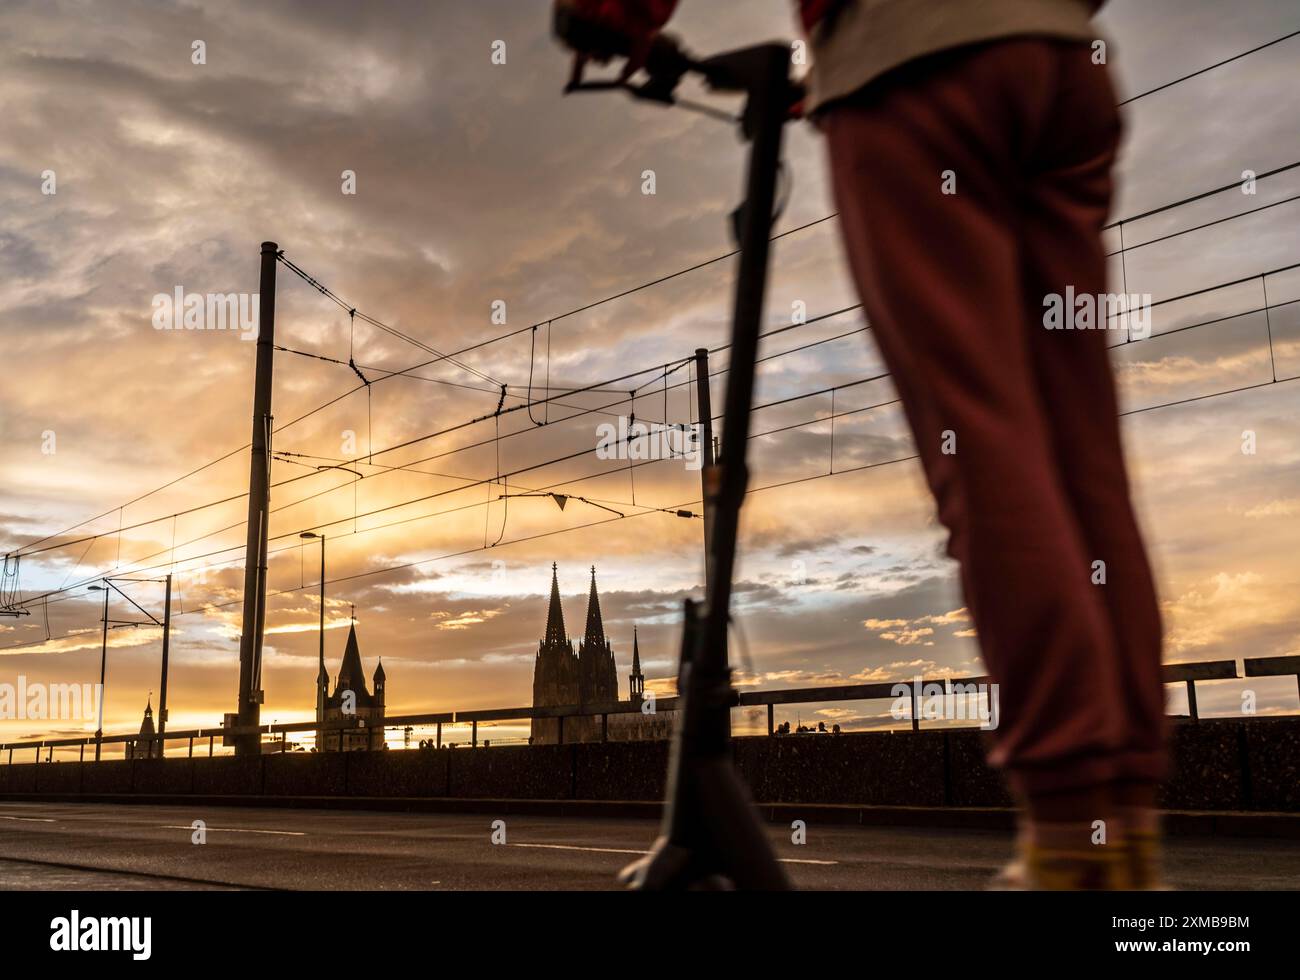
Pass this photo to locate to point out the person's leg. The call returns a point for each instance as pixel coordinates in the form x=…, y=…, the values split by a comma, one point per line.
x=941, y=278
x=1066, y=200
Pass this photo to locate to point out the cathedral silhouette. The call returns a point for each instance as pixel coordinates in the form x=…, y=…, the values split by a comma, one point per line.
x=585, y=676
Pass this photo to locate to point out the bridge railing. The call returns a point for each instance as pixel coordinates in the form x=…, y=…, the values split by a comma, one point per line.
x=153, y=745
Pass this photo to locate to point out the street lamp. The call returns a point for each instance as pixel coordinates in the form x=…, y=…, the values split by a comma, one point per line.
x=111, y=586
x=311, y=536
x=103, y=664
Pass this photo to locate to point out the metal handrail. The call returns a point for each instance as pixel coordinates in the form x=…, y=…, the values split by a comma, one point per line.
x=1187, y=673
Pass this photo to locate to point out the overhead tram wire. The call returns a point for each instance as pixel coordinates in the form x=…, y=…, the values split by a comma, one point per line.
x=649, y=370
x=1202, y=71
x=619, y=401
x=1125, y=249
x=379, y=324
x=791, y=231
x=1163, y=208
x=568, y=392
x=781, y=484
x=386, y=373
x=409, y=467
x=470, y=483
x=619, y=295
x=304, y=476
x=368, y=367
x=1192, y=199
x=135, y=500
x=618, y=470
x=664, y=369
x=725, y=255
x=544, y=491
x=875, y=464
x=615, y=472
x=580, y=309
x=577, y=413
x=440, y=381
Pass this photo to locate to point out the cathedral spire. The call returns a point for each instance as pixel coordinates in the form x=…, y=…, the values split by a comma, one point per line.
x=595, y=634
x=555, y=617
x=636, y=680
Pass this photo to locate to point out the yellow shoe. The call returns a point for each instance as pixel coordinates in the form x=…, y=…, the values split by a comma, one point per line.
x=1102, y=869
x=1141, y=851
x=1010, y=879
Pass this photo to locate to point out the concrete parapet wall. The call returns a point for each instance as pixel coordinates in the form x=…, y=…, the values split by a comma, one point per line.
x=1217, y=765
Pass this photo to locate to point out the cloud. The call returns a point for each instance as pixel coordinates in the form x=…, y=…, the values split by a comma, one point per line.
x=1275, y=508
x=1230, y=615
x=917, y=631
x=465, y=620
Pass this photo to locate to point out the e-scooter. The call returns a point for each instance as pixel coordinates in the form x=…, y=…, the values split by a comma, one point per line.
x=711, y=835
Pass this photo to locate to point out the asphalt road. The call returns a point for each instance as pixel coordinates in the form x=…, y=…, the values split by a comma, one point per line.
x=94, y=846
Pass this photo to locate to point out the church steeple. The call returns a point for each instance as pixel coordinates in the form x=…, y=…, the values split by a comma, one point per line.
x=555, y=617
x=595, y=635
x=636, y=685
x=351, y=700
x=146, y=748
x=351, y=676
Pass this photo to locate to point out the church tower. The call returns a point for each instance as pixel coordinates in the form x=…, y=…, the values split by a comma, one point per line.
x=555, y=670
x=352, y=700
x=636, y=680
x=146, y=749
x=599, y=675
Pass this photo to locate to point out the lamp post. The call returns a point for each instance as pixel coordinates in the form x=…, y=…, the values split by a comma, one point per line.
x=110, y=585
x=166, y=646
x=311, y=536
x=320, y=704
x=103, y=664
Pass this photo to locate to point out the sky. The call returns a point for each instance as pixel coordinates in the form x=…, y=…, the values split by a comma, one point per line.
x=486, y=203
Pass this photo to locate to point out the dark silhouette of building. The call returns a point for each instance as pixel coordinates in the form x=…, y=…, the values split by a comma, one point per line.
x=352, y=700
x=587, y=677
x=636, y=679
x=562, y=676
x=555, y=668
x=147, y=747
x=597, y=672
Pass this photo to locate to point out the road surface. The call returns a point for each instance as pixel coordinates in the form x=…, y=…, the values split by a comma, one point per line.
x=103, y=846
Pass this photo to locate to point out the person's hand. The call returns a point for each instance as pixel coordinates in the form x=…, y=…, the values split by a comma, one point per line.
x=603, y=29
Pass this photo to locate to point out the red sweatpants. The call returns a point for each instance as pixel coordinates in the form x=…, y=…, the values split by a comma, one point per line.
x=1033, y=489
